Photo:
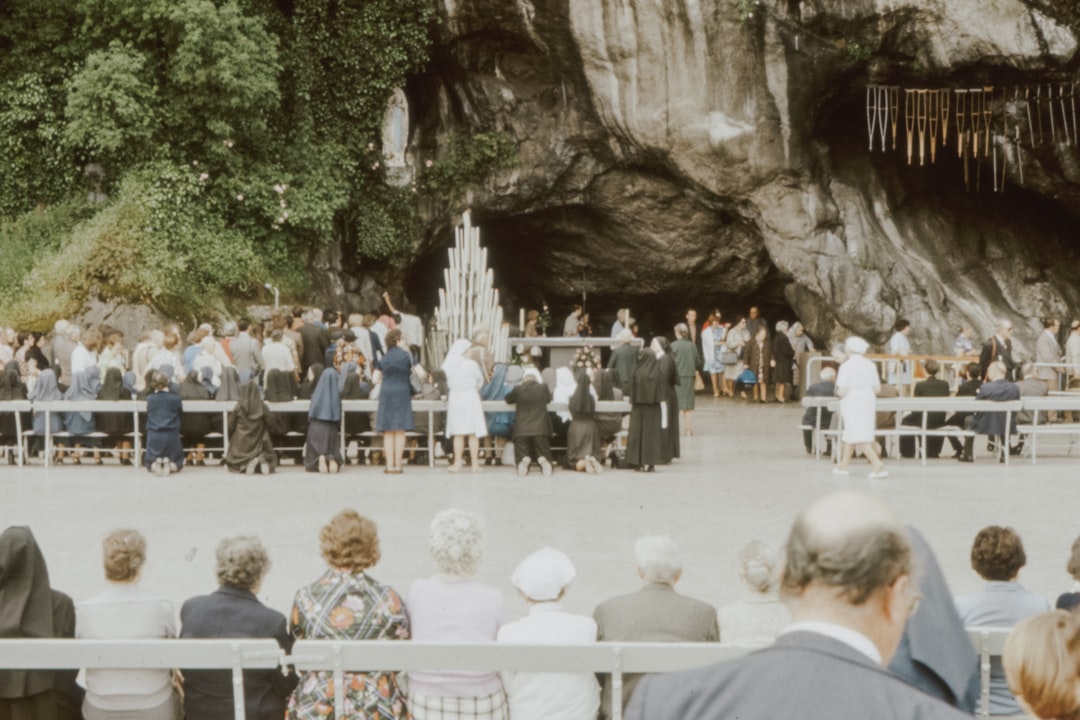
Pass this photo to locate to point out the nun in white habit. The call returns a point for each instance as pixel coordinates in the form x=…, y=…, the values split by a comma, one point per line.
x=464, y=412
x=541, y=579
x=857, y=385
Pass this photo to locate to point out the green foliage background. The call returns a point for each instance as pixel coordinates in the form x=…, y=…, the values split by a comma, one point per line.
x=235, y=137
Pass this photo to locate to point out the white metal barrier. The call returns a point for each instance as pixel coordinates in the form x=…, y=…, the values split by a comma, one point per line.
x=340, y=657
x=137, y=407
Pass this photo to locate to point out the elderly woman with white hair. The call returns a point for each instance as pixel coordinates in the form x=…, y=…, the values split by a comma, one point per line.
x=857, y=386
x=759, y=616
x=542, y=579
x=464, y=412
x=233, y=610
x=453, y=607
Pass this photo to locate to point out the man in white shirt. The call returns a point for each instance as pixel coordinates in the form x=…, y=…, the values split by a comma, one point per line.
x=1048, y=352
x=848, y=581
x=900, y=370
x=85, y=354
x=277, y=356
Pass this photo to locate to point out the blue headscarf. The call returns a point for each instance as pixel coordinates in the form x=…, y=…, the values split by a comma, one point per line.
x=129, y=382
x=349, y=367
x=326, y=400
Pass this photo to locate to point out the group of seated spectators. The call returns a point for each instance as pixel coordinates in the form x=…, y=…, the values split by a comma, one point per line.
x=346, y=603
x=290, y=365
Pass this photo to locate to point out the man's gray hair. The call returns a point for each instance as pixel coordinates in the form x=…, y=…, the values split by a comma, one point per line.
x=828, y=374
x=782, y=326
x=659, y=558
x=242, y=562
x=682, y=330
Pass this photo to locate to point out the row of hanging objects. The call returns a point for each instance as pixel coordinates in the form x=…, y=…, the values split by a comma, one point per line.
x=988, y=123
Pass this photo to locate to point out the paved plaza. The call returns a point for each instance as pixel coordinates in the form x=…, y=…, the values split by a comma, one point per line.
x=743, y=477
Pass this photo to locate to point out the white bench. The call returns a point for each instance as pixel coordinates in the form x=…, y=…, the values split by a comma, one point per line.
x=1038, y=427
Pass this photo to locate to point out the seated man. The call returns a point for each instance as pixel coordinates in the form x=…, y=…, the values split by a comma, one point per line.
x=848, y=580
x=1031, y=386
x=972, y=375
x=996, y=389
x=826, y=387
x=930, y=387
x=655, y=613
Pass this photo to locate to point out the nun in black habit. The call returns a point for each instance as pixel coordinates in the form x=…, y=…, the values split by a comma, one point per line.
x=582, y=437
x=644, y=439
x=280, y=388
x=118, y=426
x=31, y=609
x=322, y=449
x=11, y=388
x=669, y=379
x=250, y=448
x=194, y=427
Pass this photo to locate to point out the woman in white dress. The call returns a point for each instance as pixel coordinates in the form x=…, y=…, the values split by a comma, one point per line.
x=712, y=345
x=857, y=385
x=464, y=413
x=736, y=340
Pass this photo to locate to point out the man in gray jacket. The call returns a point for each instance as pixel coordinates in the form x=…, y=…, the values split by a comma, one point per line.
x=655, y=613
x=848, y=581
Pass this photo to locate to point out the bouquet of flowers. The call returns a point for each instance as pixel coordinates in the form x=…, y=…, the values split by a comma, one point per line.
x=586, y=358
x=543, y=322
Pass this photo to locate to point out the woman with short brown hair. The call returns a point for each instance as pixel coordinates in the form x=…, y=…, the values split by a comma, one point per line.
x=346, y=604
x=997, y=555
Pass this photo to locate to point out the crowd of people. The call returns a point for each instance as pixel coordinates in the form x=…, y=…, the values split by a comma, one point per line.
x=832, y=610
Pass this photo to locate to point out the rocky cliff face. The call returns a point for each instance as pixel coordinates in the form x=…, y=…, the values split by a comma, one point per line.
x=716, y=152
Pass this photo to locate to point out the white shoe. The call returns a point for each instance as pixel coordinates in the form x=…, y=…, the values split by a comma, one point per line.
x=594, y=464
x=155, y=467
x=545, y=467
x=523, y=467
x=322, y=464
x=838, y=471
x=589, y=467
x=332, y=466
x=252, y=467
x=878, y=475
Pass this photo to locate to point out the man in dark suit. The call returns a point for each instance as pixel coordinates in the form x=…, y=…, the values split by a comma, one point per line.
x=233, y=611
x=315, y=339
x=930, y=387
x=826, y=387
x=968, y=388
x=999, y=349
x=655, y=613
x=848, y=580
x=532, y=423
x=993, y=423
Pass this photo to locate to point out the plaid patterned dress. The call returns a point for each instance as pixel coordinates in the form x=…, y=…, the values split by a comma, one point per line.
x=348, y=606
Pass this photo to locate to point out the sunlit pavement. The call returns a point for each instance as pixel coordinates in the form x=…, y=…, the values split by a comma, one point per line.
x=742, y=477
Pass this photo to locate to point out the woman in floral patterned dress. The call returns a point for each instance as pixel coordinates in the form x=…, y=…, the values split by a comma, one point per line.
x=346, y=604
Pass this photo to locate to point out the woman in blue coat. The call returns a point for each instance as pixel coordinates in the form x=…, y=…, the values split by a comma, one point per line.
x=395, y=416
x=164, y=451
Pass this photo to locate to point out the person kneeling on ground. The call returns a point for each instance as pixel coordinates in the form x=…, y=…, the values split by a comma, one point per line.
x=532, y=423
x=164, y=451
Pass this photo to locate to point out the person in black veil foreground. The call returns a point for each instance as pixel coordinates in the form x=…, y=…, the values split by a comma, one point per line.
x=322, y=450
x=250, y=448
x=30, y=608
x=644, y=447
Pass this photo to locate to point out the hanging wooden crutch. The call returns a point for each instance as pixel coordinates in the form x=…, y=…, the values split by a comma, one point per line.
x=909, y=119
x=961, y=120
x=1065, y=117
x=883, y=112
x=894, y=110
x=975, y=108
x=1019, y=155
x=943, y=103
x=934, y=120
x=1027, y=106
x=1072, y=101
x=871, y=113
x=921, y=112
x=1050, y=112
x=1038, y=110
x=988, y=109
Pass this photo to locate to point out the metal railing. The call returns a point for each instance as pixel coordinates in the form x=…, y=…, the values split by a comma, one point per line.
x=338, y=657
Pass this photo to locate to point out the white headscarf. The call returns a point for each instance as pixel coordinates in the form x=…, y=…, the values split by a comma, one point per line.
x=656, y=347
x=455, y=356
x=533, y=373
x=855, y=345
x=543, y=575
x=564, y=388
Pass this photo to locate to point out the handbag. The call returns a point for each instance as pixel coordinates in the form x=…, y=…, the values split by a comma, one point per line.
x=728, y=358
x=747, y=377
x=699, y=384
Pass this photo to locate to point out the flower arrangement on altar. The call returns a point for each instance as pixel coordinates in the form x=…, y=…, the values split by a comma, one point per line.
x=586, y=358
x=543, y=321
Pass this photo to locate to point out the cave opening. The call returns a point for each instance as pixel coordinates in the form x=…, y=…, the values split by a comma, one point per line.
x=546, y=257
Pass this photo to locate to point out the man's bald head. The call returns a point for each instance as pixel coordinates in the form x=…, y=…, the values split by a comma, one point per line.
x=848, y=541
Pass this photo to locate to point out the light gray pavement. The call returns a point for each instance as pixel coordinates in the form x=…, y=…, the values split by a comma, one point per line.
x=743, y=477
